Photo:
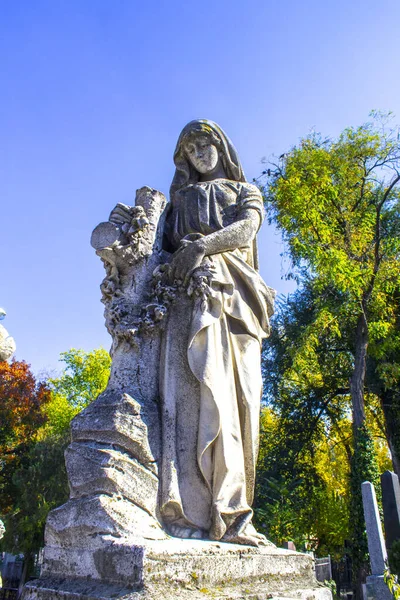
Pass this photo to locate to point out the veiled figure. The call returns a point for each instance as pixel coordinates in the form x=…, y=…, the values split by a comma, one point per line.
x=210, y=375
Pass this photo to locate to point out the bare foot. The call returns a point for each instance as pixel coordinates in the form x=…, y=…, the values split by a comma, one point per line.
x=241, y=538
x=252, y=532
x=180, y=531
x=249, y=537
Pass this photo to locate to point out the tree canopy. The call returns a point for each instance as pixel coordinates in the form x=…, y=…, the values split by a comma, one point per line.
x=334, y=352
x=34, y=434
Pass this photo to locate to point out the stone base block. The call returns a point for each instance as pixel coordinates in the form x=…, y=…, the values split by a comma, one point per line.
x=84, y=522
x=175, y=569
x=377, y=588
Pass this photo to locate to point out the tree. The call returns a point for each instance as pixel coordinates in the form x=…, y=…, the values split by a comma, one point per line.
x=383, y=376
x=304, y=384
x=22, y=400
x=39, y=485
x=85, y=376
x=298, y=498
x=337, y=204
x=38, y=482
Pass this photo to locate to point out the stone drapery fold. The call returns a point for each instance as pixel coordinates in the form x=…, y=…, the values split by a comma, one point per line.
x=210, y=376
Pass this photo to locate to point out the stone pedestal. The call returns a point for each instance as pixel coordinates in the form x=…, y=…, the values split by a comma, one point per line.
x=175, y=569
x=377, y=588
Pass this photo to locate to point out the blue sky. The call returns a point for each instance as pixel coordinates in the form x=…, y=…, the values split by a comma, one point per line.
x=94, y=94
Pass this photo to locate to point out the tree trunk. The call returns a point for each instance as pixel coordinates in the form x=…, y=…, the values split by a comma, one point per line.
x=390, y=400
x=357, y=383
x=358, y=377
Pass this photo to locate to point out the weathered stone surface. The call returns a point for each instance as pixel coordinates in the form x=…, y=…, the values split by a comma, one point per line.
x=105, y=235
x=210, y=371
x=112, y=461
x=96, y=470
x=116, y=419
x=376, y=543
x=391, y=507
x=377, y=588
x=84, y=590
x=86, y=522
x=178, y=569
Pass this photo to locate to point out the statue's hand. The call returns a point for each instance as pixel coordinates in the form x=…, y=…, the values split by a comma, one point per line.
x=121, y=214
x=185, y=260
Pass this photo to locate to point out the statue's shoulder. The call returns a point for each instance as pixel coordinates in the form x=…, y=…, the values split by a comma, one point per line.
x=249, y=189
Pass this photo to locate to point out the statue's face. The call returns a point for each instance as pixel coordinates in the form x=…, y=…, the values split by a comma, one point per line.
x=202, y=154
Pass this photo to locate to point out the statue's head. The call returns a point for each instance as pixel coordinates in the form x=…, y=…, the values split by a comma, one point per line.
x=201, y=147
x=202, y=150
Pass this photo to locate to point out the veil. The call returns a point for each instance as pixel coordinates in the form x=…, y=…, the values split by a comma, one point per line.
x=186, y=174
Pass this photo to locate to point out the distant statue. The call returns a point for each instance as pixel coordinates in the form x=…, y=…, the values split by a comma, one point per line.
x=7, y=343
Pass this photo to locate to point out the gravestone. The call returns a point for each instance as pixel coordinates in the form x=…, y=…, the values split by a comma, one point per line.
x=289, y=545
x=376, y=587
x=391, y=506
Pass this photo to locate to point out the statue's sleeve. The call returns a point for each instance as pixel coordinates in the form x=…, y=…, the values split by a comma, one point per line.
x=250, y=197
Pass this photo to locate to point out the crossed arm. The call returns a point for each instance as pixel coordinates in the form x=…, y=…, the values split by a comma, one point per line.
x=236, y=235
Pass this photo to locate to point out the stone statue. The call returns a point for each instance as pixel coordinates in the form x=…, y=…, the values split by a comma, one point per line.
x=7, y=343
x=210, y=373
x=161, y=465
x=175, y=434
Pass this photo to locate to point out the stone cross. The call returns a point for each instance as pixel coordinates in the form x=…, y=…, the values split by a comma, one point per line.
x=391, y=506
x=376, y=587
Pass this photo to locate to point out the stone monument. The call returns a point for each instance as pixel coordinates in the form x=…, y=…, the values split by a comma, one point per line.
x=391, y=507
x=161, y=466
x=376, y=587
x=7, y=343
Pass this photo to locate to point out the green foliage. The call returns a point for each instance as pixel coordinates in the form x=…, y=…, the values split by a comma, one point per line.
x=301, y=485
x=38, y=482
x=59, y=412
x=335, y=342
x=392, y=582
x=338, y=206
x=306, y=446
x=331, y=585
x=85, y=376
x=22, y=405
x=394, y=557
x=328, y=196
x=363, y=468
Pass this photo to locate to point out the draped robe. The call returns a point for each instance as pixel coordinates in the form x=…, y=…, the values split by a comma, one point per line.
x=210, y=375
